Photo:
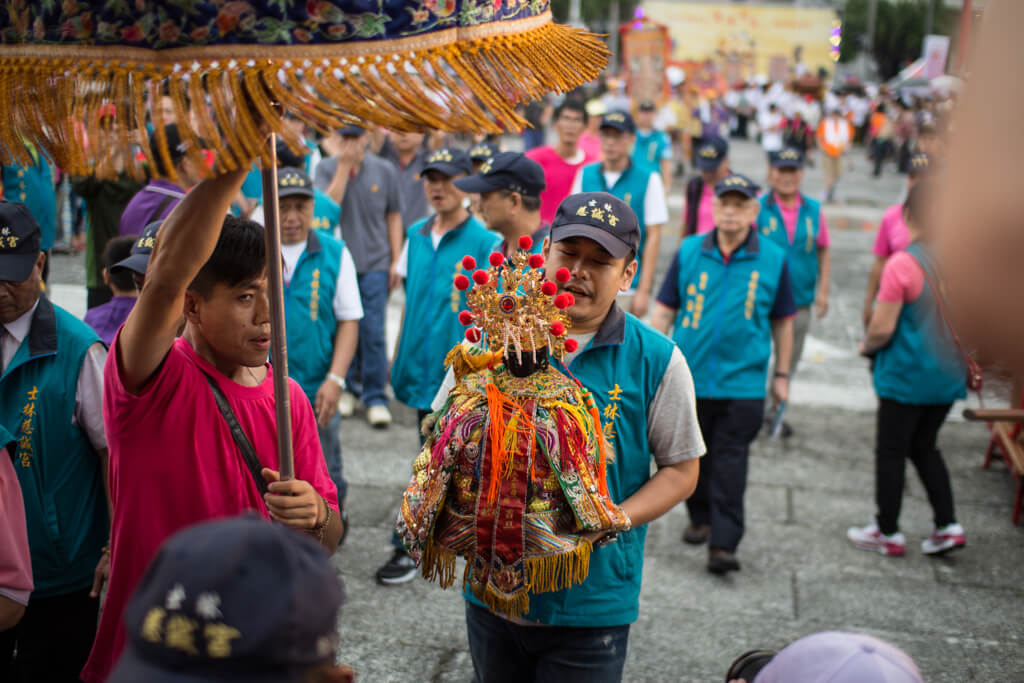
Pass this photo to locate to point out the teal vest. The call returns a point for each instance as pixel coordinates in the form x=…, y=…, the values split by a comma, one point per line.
x=309, y=311
x=921, y=364
x=649, y=149
x=724, y=326
x=622, y=366
x=58, y=470
x=803, y=252
x=431, y=324
x=326, y=212
x=33, y=186
x=631, y=187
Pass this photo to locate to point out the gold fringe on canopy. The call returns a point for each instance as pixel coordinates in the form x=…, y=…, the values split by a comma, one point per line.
x=58, y=97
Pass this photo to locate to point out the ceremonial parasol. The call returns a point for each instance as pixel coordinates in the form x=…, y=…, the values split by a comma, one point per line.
x=457, y=65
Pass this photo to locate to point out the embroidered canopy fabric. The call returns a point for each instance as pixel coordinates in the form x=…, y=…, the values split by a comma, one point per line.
x=447, y=64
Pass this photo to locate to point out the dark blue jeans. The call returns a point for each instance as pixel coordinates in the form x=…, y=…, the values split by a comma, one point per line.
x=330, y=444
x=368, y=373
x=504, y=651
x=728, y=426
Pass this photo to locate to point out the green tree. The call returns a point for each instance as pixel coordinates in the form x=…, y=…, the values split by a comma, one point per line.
x=899, y=31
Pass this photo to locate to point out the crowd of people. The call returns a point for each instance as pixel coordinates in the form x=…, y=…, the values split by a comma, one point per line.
x=156, y=413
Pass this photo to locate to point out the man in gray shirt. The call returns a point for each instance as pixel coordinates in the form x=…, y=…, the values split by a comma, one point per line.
x=408, y=152
x=367, y=189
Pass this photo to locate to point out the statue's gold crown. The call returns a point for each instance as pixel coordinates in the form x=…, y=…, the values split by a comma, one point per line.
x=512, y=307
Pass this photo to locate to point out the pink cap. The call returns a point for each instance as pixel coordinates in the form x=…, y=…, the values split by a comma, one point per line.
x=840, y=657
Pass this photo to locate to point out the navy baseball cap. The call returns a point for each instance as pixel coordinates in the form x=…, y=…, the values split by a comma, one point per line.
x=293, y=182
x=138, y=259
x=711, y=152
x=450, y=161
x=20, y=241
x=599, y=216
x=618, y=120
x=787, y=157
x=483, y=151
x=739, y=184
x=352, y=130
x=506, y=171
x=919, y=163
x=236, y=599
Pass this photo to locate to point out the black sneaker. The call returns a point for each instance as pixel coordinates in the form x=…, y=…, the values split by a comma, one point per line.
x=399, y=569
x=722, y=562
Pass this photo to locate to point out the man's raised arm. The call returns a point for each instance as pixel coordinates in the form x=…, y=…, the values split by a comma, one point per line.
x=185, y=242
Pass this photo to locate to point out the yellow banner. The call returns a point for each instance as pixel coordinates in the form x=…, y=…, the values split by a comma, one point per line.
x=749, y=40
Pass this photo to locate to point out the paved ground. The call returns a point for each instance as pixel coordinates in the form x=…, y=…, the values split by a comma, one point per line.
x=960, y=617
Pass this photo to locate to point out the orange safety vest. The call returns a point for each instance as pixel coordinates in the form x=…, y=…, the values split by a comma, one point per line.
x=835, y=136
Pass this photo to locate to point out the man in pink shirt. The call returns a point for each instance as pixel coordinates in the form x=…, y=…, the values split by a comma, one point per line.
x=174, y=460
x=797, y=223
x=563, y=161
x=712, y=160
x=893, y=235
x=15, y=559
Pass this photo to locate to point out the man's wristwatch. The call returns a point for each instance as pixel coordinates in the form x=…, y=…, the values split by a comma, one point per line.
x=784, y=375
x=340, y=381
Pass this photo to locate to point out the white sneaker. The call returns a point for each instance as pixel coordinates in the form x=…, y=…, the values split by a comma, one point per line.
x=347, y=404
x=943, y=540
x=870, y=537
x=378, y=416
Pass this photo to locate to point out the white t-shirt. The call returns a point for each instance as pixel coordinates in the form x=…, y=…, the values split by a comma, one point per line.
x=655, y=207
x=771, y=134
x=402, y=265
x=347, y=304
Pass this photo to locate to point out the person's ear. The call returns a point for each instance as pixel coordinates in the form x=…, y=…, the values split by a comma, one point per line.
x=546, y=249
x=628, y=273
x=41, y=262
x=193, y=306
x=106, y=277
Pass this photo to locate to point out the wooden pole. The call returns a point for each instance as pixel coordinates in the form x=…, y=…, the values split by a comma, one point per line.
x=275, y=292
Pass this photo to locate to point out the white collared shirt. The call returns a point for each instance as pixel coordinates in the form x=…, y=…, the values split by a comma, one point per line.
x=89, y=390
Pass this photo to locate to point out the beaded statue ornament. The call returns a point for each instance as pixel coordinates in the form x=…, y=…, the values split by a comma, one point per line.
x=513, y=469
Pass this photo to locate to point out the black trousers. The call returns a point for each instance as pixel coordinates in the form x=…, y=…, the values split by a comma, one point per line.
x=729, y=426
x=906, y=431
x=52, y=640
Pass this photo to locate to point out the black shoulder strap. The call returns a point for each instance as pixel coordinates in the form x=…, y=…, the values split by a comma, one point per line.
x=238, y=434
x=159, y=211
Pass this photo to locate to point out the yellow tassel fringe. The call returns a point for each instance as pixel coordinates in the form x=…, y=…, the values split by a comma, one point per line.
x=53, y=95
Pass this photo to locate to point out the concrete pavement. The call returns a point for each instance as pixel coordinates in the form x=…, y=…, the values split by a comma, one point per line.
x=959, y=617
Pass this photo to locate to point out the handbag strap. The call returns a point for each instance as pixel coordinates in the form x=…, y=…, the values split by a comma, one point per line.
x=249, y=457
x=972, y=365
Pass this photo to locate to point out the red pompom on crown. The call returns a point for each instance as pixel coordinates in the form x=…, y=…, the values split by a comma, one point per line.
x=525, y=242
x=496, y=258
x=473, y=335
x=480, y=277
x=468, y=262
x=561, y=302
x=571, y=345
x=549, y=288
x=570, y=298
x=557, y=328
x=563, y=275
x=466, y=318
x=536, y=260
x=461, y=283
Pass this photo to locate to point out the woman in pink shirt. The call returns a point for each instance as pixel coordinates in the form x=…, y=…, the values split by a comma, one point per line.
x=893, y=236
